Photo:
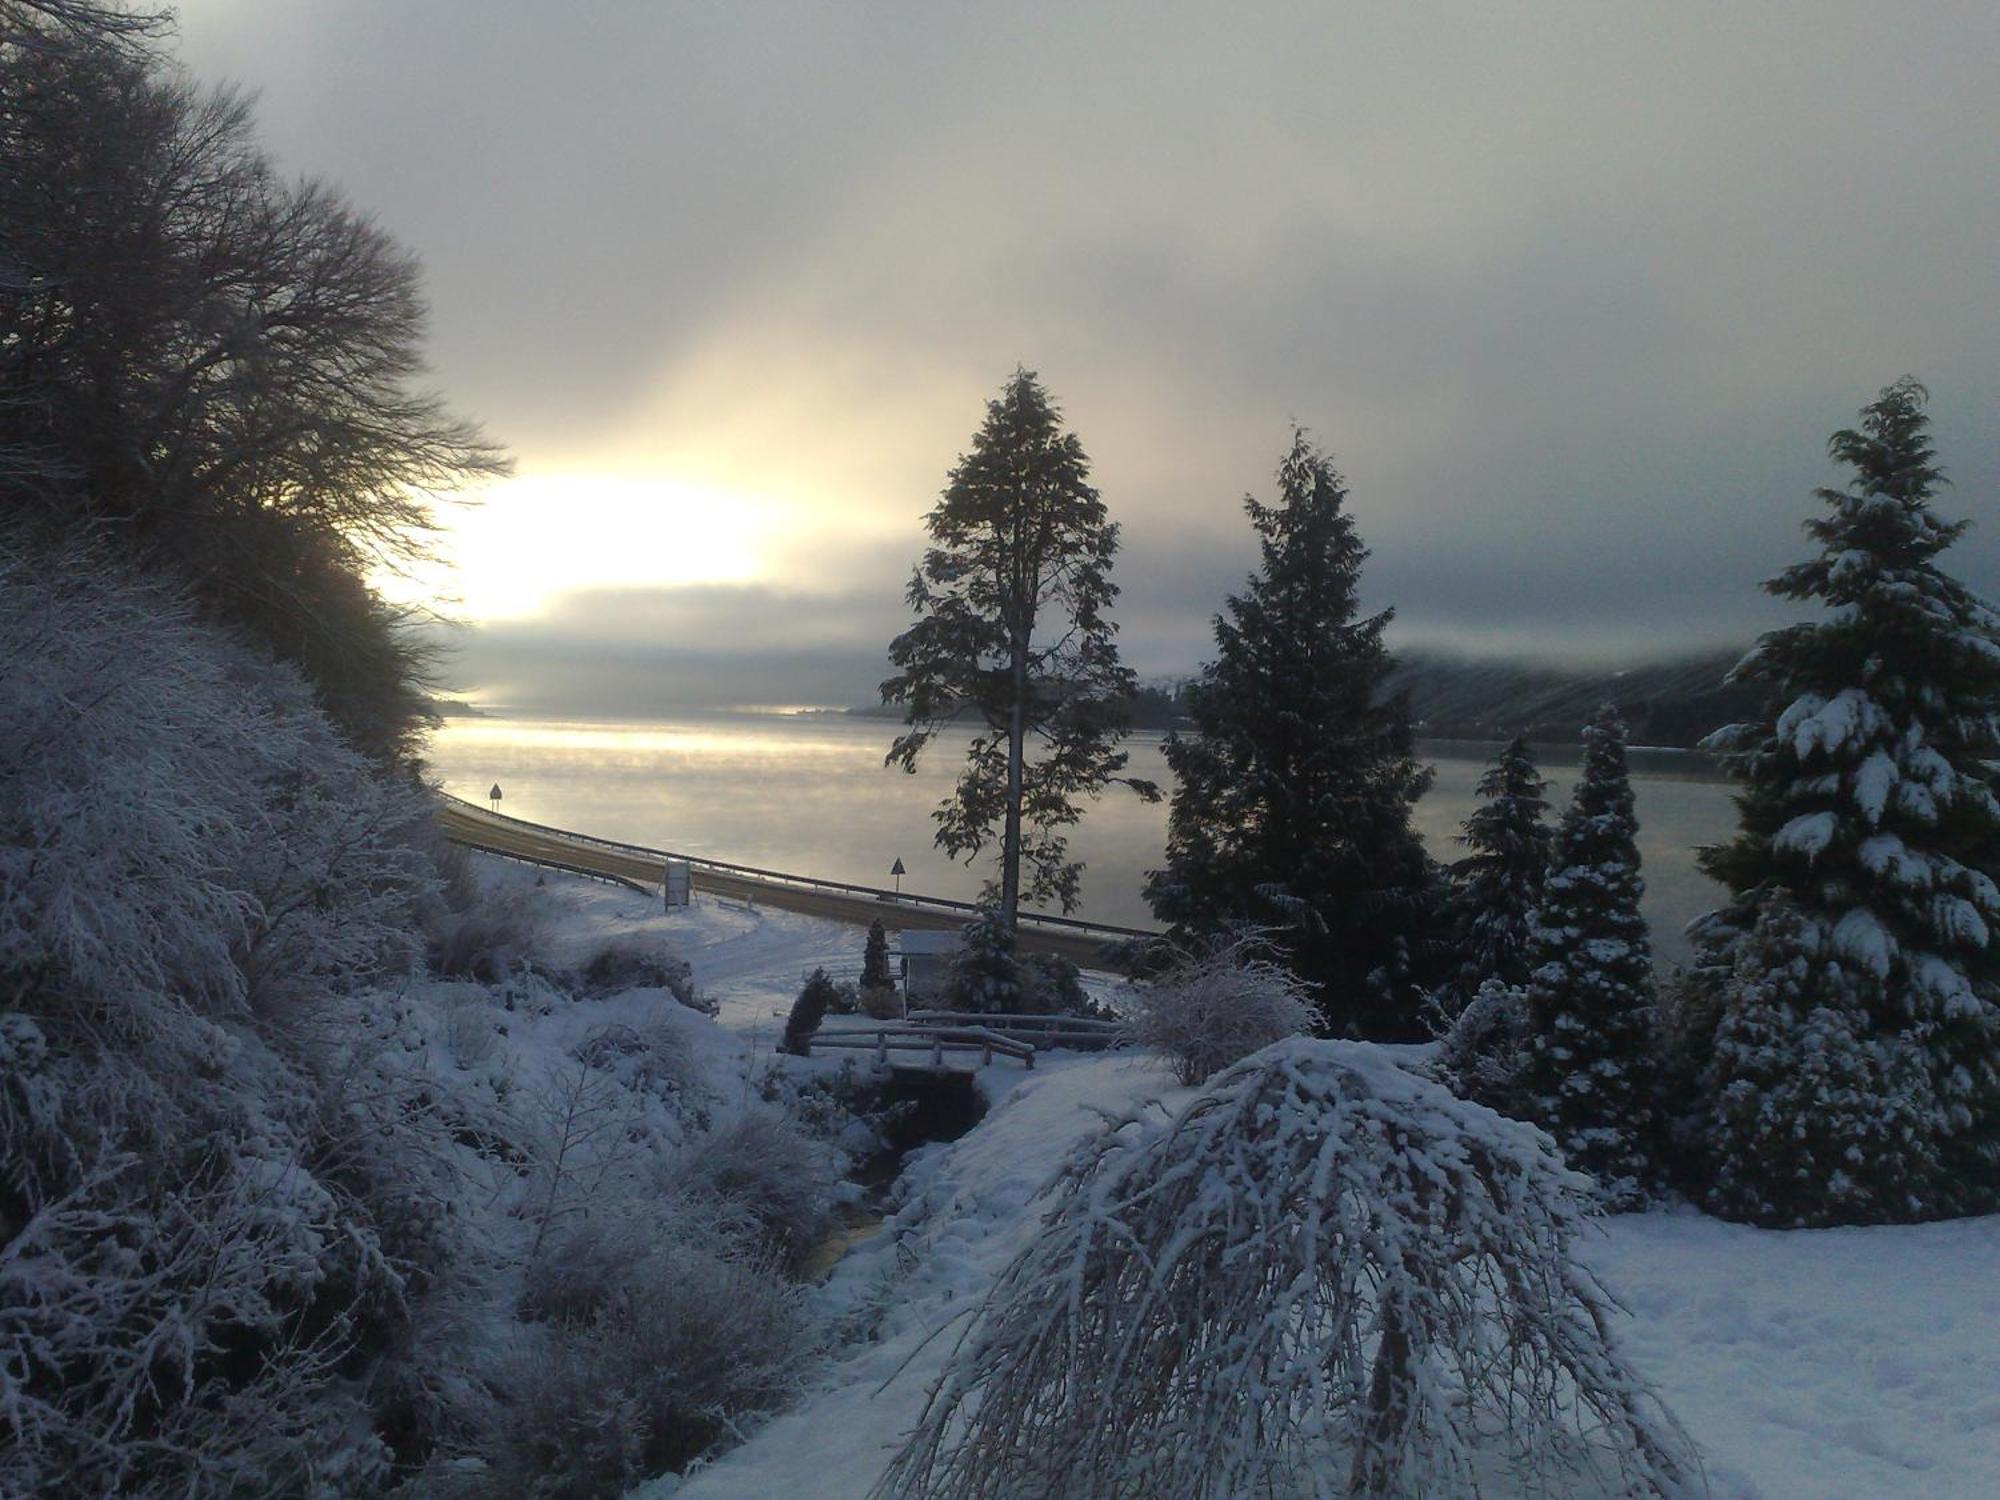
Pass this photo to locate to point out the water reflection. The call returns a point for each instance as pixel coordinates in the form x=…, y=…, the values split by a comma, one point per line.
x=809, y=793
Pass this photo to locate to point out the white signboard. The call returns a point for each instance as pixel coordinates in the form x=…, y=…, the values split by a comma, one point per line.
x=676, y=883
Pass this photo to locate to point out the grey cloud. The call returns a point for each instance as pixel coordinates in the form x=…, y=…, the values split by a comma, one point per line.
x=1574, y=293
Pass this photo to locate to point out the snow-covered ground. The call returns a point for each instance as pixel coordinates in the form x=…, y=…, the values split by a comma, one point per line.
x=1808, y=1365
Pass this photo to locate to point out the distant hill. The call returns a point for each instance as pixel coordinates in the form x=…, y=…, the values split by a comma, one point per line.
x=1672, y=702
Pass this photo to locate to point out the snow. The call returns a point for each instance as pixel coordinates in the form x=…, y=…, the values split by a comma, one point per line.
x=1844, y=1364
x=1808, y=834
x=1824, y=1364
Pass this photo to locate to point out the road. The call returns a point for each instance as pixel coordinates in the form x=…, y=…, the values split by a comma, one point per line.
x=477, y=829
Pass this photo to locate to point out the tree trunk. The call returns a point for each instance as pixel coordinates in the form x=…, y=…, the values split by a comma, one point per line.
x=1010, y=843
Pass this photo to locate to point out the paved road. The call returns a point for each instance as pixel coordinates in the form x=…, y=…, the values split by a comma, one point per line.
x=475, y=829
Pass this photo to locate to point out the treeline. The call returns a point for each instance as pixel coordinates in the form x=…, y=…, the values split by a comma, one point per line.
x=1834, y=1054
x=211, y=369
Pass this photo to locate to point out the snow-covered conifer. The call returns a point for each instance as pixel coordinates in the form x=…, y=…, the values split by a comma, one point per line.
x=1292, y=809
x=1495, y=887
x=986, y=972
x=1807, y=1122
x=1868, y=795
x=1587, y=1068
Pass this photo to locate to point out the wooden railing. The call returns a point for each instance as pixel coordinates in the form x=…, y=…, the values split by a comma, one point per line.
x=901, y=1036
x=1077, y=1032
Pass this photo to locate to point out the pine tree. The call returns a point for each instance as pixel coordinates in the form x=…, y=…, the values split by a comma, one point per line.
x=1012, y=633
x=1590, y=1002
x=875, y=958
x=819, y=996
x=986, y=974
x=1496, y=886
x=1867, y=794
x=1806, y=1122
x=1292, y=810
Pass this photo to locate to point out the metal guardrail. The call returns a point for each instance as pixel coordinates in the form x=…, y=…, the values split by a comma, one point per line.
x=810, y=882
x=542, y=861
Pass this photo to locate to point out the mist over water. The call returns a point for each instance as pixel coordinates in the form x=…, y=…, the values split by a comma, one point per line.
x=808, y=794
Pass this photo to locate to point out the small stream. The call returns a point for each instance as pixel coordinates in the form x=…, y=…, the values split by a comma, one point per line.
x=941, y=1107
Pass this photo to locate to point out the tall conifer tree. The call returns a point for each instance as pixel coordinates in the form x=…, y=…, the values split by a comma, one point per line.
x=1013, y=633
x=1292, y=810
x=1495, y=887
x=1867, y=795
x=1587, y=1075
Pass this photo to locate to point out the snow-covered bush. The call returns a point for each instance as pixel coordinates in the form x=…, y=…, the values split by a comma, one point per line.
x=630, y=962
x=985, y=973
x=656, y=1056
x=1323, y=1276
x=1204, y=1011
x=1480, y=1054
x=487, y=939
x=990, y=974
x=696, y=1340
x=193, y=869
x=759, y=1163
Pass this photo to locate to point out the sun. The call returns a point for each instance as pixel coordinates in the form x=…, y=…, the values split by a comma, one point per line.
x=538, y=535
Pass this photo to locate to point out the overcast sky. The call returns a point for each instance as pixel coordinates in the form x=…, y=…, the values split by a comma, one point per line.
x=1573, y=292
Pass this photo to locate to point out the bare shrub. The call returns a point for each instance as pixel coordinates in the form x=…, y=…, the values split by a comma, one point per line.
x=1323, y=1276
x=579, y=1125
x=761, y=1162
x=694, y=1342
x=581, y=1271
x=470, y=1034
x=490, y=939
x=1205, y=1011
x=656, y=1056
x=630, y=962
x=883, y=1002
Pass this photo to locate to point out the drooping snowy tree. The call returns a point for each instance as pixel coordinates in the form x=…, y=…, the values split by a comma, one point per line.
x=1867, y=795
x=1292, y=809
x=1496, y=886
x=1586, y=1070
x=1322, y=1275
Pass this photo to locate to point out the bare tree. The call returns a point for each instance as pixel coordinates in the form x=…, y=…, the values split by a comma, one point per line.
x=213, y=365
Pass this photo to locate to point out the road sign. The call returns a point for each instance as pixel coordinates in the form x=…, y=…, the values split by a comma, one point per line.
x=899, y=872
x=494, y=796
